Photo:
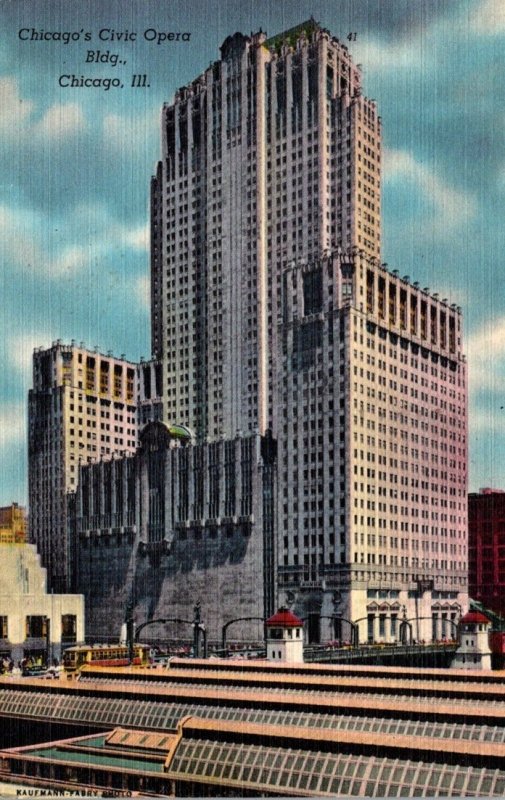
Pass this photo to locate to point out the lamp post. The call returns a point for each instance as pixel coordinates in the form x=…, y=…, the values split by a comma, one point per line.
x=197, y=628
x=130, y=631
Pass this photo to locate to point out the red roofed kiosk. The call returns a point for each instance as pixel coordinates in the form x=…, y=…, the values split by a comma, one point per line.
x=284, y=631
x=473, y=651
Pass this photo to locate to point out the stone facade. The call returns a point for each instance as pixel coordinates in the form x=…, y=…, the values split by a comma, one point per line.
x=173, y=525
x=82, y=407
x=272, y=153
x=372, y=452
x=33, y=622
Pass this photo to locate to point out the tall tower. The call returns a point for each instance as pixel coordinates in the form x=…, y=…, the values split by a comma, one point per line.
x=271, y=154
x=82, y=408
x=372, y=455
x=272, y=310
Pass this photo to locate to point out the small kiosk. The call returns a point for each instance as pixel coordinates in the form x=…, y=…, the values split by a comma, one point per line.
x=473, y=651
x=284, y=635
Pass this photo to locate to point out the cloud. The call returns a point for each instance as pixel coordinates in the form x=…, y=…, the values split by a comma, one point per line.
x=33, y=242
x=380, y=56
x=71, y=259
x=143, y=291
x=60, y=122
x=139, y=238
x=485, y=349
x=27, y=243
x=127, y=134
x=15, y=111
x=20, y=350
x=18, y=241
x=488, y=18
x=483, y=421
x=12, y=425
x=454, y=208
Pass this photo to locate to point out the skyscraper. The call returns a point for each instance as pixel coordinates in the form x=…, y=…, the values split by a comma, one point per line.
x=82, y=408
x=272, y=311
x=271, y=154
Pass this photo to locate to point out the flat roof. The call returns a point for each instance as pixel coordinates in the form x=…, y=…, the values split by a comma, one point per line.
x=339, y=683
x=276, y=759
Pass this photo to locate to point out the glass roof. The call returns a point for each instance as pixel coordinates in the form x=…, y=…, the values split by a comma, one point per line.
x=299, y=771
x=336, y=692
x=164, y=716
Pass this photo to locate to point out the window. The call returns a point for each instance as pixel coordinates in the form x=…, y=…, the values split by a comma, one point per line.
x=68, y=628
x=36, y=627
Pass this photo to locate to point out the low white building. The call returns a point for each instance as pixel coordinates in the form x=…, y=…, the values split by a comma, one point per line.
x=284, y=637
x=473, y=651
x=33, y=623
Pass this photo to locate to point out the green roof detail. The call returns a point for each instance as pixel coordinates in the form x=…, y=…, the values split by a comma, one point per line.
x=179, y=432
x=123, y=761
x=291, y=36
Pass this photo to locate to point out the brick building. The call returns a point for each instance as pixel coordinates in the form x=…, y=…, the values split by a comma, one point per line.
x=486, y=549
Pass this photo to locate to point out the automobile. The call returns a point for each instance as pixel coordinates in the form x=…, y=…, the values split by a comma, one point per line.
x=161, y=661
x=51, y=673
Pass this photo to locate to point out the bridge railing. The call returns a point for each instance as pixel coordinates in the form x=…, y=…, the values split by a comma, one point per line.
x=371, y=652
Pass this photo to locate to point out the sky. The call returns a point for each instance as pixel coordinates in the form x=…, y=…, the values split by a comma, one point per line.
x=75, y=166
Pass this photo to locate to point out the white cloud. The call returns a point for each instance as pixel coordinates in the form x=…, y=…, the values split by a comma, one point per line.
x=139, y=238
x=20, y=351
x=109, y=232
x=128, y=133
x=485, y=349
x=12, y=424
x=70, y=260
x=143, y=291
x=17, y=118
x=27, y=243
x=483, y=421
x=381, y=56
x=454, y=208
x=14, y=110
x=60, y=122
x=30, y=243
x=488, y=18
x=18, y=242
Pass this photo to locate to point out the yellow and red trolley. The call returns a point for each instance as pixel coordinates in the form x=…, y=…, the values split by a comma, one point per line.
x=106, y=655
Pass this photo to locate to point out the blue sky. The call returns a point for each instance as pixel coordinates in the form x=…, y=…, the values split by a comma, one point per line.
x=75, y=166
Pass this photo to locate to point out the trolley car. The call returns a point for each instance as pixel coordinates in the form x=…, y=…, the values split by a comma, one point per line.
x=106, y=655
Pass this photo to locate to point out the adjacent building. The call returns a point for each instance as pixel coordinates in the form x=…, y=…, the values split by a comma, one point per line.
x=486, y=547
x=372, y=450
x=12, y=524
x=82, y=408
x=174, y=525
x=34, y=623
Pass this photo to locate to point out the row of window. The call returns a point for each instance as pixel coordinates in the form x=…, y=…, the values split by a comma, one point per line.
x=38, y=626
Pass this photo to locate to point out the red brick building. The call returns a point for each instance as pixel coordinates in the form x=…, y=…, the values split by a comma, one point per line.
x=486, y=548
